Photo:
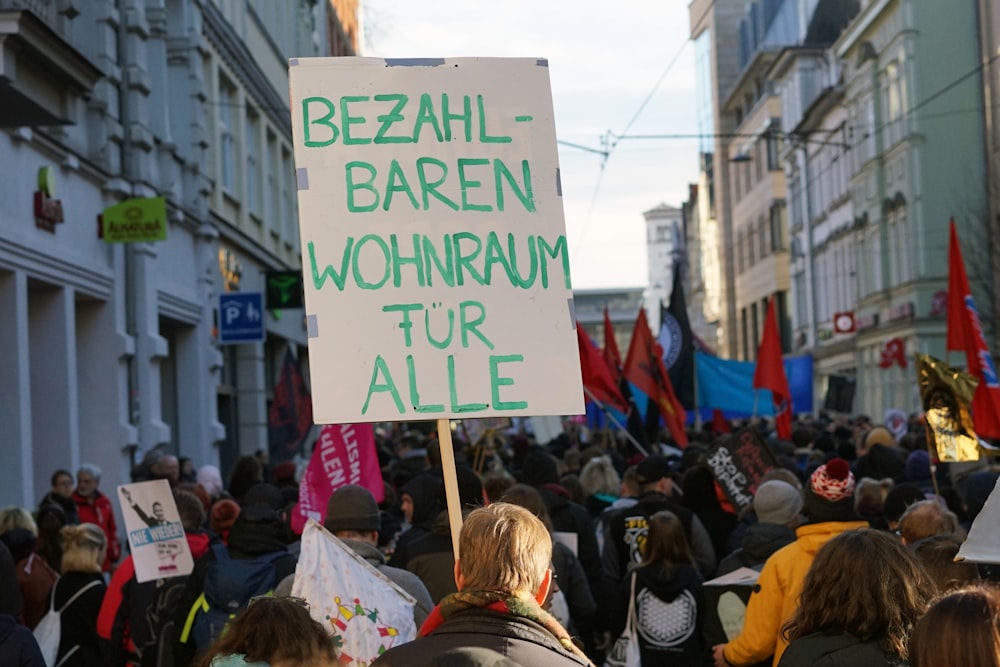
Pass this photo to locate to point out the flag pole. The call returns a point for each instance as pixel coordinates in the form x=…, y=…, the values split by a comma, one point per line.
x=617, y=423
x=450, y=481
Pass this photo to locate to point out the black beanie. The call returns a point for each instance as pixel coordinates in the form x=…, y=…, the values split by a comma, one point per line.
x=539, y=468
x=352, y=507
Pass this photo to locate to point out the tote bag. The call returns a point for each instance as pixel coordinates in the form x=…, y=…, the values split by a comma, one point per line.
x=625, y=651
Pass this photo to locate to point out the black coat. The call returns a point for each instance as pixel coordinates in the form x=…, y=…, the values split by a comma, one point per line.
x=520, y=639
x=18, y=647
x=760, y=541
x=824, y=649
x=78, y=622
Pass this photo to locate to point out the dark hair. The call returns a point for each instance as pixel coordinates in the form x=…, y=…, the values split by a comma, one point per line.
x=495, y=484
x=961, y=629
x=665, y=542
x=50, y=520
x=937, y=555
x=247, y=472
x=271, y=629
x=530, y=499
x=57, y=474
x=190, y=509
x=865, y=584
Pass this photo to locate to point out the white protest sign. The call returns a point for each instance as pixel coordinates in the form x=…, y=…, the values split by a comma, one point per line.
x=155, y=533
x=435, y=261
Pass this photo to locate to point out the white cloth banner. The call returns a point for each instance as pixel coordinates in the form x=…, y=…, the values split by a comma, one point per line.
x=364, y=611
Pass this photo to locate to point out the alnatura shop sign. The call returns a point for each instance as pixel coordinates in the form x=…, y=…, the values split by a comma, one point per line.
x=135, y=221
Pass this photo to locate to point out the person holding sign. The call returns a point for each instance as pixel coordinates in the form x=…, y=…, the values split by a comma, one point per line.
x=503, y=576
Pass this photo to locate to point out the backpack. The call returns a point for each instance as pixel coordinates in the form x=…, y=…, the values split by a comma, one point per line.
x=159, y=618
x=229, y=585
x=48, y=632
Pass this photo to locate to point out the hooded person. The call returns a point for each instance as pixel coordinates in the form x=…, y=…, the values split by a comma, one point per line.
x=353, y=516
x=778, y=506
x=421, y=499
x=829, y=508
x=431, y=556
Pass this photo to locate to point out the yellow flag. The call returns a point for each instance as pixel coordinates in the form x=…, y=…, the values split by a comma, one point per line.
x=947, y=393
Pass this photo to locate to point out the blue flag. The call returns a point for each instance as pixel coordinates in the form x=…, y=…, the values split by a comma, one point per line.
x=728, y=385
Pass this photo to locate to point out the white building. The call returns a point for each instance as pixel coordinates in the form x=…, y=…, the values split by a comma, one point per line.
x=664, y=242
x=110, y=348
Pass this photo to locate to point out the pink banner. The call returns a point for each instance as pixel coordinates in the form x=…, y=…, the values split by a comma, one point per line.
x=344, y=454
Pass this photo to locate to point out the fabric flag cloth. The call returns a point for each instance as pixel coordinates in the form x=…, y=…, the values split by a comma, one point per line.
x=343, y=454
x=677, y=342
x=946, y=394
x=596, y=375
x=611, y=355
x=720, y=425
x=650, y=383
x=965, y=332
x=728, y=386
x=770, y=373
x=290, y=416
x=366, y=612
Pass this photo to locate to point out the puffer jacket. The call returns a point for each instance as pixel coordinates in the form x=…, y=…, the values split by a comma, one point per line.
x=776, y=596
x=520, y=639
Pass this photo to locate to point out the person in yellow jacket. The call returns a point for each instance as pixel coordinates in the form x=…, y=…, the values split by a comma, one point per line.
x=829, y=508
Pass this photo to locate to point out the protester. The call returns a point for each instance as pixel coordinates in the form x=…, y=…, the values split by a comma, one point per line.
x=926, y=518
x=421, y=500
x=352, y=515
x=878, y=456
x=94, y=507
x=61, y=495
x=701, y=497
x=961, y=629
x=187, y=472
x=134, y=617
x=222, y=516
x=869, y=500
x=246, y=473
x=667, y=598
x=50, y=519
x=17, y=645
x=937, y=555
x=601, y=484
x=276, y=632
x=778, y=507
x=35, y=577
x=829, y=509
x=502, y=579
x=84, y=551
x=860, y=599
x=167, y=467
x=210, y=479
x=899, y=497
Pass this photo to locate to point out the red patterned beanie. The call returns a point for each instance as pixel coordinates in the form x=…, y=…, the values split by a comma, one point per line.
x=829, y=496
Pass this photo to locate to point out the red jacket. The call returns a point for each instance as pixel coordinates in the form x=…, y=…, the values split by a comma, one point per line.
x=98, y=511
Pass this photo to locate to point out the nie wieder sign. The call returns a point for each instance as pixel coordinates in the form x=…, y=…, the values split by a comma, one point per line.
x=738, y=463
x=436, y=268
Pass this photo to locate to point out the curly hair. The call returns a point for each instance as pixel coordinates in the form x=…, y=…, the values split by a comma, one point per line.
x=865, y=584
x=275, y=629
x=961, y=629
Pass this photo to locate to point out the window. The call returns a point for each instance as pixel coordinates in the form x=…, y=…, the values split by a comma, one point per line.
x=272, y=192
x=778, y=224
x=875, y=259
x=252, y=145
x=904, y=245
x=286, y=178
x=751, y=256
x=227, y=146
x=762, y=230
x=801, y=314
x=739, y=252
x=773, y=161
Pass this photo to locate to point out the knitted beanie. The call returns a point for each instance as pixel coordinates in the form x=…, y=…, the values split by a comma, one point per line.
x=222, y=516
x=352, y=507
x=776, y=502
x=829, y=495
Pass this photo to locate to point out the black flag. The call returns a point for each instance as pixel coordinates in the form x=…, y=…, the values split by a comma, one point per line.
x=678, y=343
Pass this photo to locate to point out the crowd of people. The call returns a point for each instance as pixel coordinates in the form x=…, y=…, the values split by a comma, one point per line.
x=582, y=550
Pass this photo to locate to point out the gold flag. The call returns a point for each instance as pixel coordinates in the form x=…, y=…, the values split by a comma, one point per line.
x=947, y=393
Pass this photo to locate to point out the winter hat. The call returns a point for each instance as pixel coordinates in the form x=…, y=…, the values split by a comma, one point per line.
x=222, y=516
x=829, y=494
x=777, y=502
x=264, y=494
x=918, y=466
x=653, y=469
x=352, y=507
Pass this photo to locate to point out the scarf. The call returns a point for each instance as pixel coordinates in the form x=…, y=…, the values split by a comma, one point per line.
x=516, y=604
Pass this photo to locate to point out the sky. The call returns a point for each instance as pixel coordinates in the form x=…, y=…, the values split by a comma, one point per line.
x=610, y=73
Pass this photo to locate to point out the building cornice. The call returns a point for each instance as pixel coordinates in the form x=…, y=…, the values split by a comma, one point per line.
x=857, y=28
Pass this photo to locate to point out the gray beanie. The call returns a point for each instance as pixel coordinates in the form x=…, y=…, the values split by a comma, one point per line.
x=352, y=507
x=777, y=502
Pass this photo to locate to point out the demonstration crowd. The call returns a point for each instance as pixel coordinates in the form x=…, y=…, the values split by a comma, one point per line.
x=577, y=551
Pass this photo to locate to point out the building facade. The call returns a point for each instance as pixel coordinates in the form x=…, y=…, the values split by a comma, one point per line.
x=112, y=348
x=664, y=248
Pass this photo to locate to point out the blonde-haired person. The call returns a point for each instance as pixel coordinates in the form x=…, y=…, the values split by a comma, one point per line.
x=273, y=632
x=601, y=484
x=84, y=548
x=502, y=576
x=16, y=518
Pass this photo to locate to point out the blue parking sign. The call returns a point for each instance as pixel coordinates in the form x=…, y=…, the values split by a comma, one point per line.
x=241, y=317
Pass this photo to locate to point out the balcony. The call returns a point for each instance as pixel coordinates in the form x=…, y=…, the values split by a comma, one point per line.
x=40, y=72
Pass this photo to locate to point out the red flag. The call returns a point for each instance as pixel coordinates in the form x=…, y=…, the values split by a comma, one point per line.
x=644, y=368
x=720, y=424
x=290, y=416
x=596, y=374
x=770, y=373
x=611, y=354
x=965, y=332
